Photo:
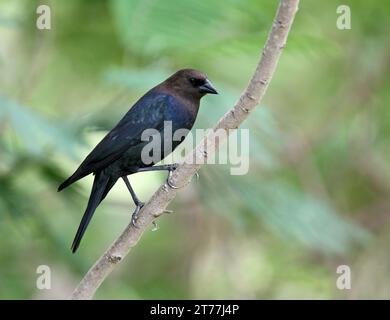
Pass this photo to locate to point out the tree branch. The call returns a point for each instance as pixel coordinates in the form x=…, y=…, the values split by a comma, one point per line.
x=182, y=175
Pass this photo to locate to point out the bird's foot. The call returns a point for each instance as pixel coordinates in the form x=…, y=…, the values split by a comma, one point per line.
x=169, y=183
x=171, y=168
x=134, y=216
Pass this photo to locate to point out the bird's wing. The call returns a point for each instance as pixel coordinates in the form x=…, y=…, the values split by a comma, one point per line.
x=148, y=113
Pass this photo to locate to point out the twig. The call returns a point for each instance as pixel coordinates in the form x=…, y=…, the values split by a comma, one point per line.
x=231, y=120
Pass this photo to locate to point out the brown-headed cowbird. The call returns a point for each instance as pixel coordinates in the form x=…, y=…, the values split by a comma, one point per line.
x=119, y=153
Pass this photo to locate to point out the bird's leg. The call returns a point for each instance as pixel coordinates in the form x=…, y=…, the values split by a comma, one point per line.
x=137, y=201
x=175, y=187
x=168, y=167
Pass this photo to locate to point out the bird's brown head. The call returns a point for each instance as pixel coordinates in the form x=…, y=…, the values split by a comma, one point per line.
x=190, y=83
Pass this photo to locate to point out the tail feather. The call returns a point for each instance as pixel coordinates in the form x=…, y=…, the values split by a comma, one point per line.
x=73, y=178
x=101, y=186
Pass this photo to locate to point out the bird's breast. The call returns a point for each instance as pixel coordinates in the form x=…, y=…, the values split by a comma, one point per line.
x=181, y=117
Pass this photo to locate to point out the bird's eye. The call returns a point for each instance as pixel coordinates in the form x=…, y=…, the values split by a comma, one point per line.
x=196, y=82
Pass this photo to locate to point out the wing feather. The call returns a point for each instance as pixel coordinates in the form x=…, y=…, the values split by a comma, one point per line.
x=149, y=112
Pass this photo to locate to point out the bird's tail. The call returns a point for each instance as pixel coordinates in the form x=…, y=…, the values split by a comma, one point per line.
x=73, y=178
x=101, y=186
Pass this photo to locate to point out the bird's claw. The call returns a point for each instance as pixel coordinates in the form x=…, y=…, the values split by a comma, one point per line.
x=134, y=216
x=174, y=166
x=169, y=183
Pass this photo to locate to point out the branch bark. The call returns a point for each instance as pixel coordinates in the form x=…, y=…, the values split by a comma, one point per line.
x=182, y=175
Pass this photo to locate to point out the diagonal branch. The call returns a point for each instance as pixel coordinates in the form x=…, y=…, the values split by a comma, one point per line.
x=231, y=120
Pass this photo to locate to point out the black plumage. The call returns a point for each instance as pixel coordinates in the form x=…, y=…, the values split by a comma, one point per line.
x=119, y=153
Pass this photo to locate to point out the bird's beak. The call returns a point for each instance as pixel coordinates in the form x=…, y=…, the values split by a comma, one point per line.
x=208, y=88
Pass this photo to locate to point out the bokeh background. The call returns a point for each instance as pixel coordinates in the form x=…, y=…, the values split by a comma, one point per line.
x=317, y=192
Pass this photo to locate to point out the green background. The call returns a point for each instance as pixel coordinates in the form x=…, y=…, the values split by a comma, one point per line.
x=317, y=192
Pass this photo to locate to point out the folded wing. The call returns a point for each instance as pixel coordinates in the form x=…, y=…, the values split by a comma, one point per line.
x=149, y=112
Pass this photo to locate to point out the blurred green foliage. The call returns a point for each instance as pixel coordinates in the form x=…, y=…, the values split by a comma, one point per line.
x=316, y=195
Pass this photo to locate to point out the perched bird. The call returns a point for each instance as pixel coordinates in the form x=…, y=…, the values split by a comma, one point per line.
x=118, y=155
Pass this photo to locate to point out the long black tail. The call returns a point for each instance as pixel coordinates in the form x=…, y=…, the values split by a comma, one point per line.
x=73, y=178
x=101, y=186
